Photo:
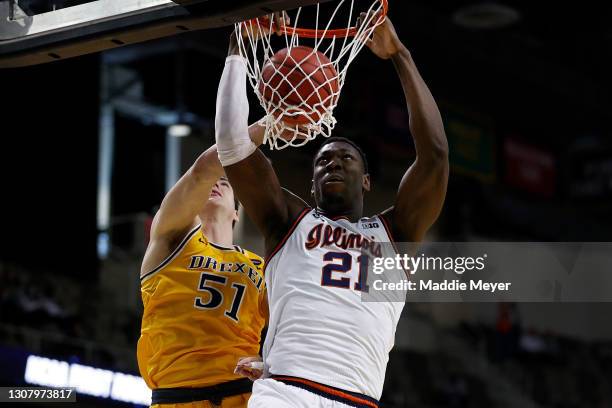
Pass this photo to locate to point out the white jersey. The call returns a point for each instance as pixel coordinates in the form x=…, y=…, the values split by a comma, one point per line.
x=319, y=328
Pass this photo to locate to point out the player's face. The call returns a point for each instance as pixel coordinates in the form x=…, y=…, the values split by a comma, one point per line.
x=338, y=173
x=222, y=195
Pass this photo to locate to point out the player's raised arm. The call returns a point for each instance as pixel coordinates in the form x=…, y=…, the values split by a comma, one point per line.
x=180, y=207
x=248, y=170
x=422, y=190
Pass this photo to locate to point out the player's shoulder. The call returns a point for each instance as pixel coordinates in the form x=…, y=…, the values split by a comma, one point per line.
x=162, y=252
x=371, y=220
x=252, y=256
x=374, y=223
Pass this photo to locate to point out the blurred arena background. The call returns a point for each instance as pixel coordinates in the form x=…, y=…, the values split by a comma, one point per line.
x=89, y=146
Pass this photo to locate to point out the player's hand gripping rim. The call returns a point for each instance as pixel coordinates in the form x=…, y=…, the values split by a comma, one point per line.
x=259, y=27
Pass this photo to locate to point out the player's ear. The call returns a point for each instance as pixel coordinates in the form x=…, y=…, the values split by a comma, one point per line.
x=365, y=183
x=236, y=216
x=312, y=188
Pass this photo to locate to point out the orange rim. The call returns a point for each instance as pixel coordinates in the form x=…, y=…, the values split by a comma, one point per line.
x=332, y=33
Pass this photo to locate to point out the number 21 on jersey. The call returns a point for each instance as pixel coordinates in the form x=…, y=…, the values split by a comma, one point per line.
x=342, y=262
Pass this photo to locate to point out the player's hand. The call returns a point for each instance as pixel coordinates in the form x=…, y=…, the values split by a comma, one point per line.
x=384, y=42
x=256, y=31
x=279, y=20
x=250, y=367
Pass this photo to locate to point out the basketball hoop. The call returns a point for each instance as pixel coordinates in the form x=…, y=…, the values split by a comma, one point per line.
x=299, y=91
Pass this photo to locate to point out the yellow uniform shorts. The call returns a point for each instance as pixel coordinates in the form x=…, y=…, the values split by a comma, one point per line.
x=235, y=401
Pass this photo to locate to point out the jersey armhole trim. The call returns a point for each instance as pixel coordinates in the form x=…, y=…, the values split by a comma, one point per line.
x=170, y=257
x=299, y=218
x=221, y=247
x=387, y=227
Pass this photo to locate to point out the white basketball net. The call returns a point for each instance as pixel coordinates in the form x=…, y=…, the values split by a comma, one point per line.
x=341, y=50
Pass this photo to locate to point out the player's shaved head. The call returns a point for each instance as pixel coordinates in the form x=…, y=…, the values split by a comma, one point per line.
x=334, y=139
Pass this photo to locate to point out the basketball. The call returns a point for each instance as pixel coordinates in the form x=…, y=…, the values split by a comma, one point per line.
x=301, y=82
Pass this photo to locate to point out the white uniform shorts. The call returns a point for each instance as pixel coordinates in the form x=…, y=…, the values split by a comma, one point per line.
x=293, y=392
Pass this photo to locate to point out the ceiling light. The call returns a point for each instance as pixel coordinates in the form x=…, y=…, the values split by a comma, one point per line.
x=179, y=130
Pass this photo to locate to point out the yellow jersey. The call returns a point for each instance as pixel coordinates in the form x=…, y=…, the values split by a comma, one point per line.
x=204, y=308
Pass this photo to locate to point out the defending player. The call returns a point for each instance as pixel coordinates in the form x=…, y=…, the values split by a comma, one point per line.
x=325, y=347
x=204, y=298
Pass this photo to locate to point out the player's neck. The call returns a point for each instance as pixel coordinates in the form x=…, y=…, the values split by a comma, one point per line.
x=217, y=231
x=353, y=214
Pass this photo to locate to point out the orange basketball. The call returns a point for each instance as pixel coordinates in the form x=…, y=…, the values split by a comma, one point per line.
x=301, y=80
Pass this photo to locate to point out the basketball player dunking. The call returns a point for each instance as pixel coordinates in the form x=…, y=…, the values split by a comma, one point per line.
x=325, y=347
x=204, y=298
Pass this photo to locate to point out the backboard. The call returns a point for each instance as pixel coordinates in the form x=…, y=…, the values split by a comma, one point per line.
x=35, y=31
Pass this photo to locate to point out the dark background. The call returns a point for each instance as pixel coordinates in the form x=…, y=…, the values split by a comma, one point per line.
x=49, y=165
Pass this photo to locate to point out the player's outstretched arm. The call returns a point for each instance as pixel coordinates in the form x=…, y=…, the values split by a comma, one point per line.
x=423, y=188
x=181, y=205
x=248, y=170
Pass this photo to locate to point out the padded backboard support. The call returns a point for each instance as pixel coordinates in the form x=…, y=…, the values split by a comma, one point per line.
x=104, y=24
